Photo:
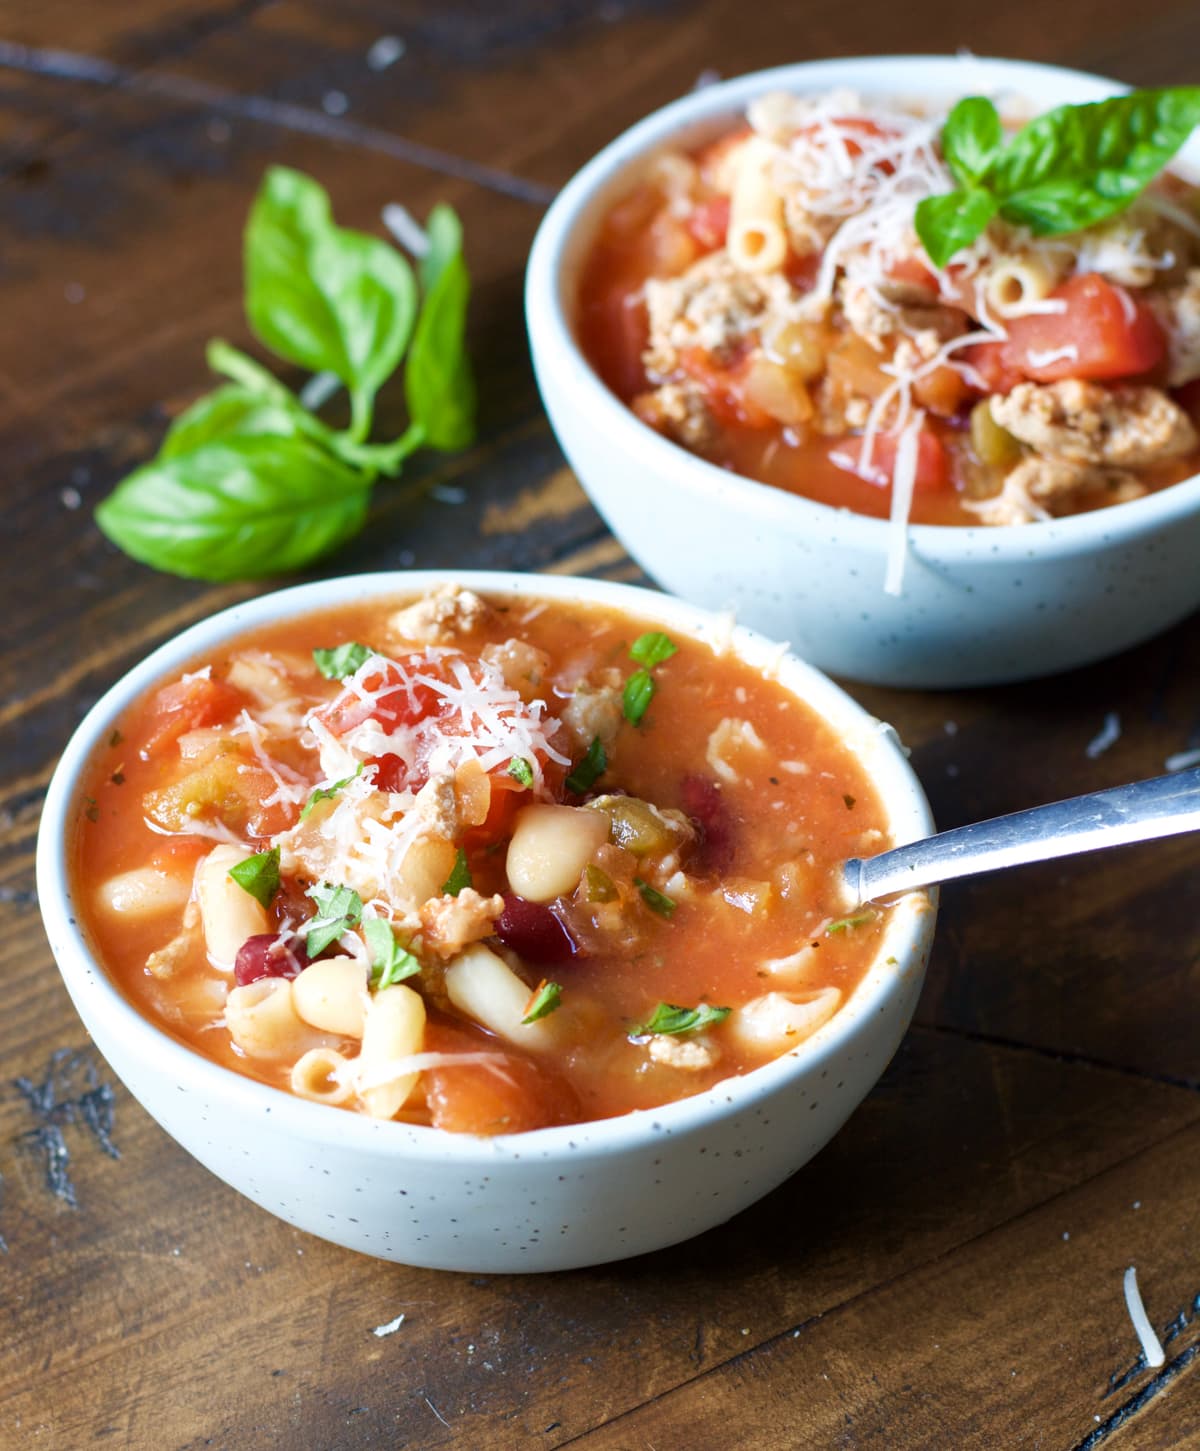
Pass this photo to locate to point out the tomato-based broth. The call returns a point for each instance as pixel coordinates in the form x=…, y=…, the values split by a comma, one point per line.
x=764, y=300
x=485, y=865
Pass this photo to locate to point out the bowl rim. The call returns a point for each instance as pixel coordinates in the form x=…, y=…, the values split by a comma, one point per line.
x=577, y=207
x=906, y=939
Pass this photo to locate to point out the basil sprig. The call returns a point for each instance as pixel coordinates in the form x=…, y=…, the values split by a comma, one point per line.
x=390, y=962
x=258, y=875
x=669, y=1019
x=338, y=910
x=249, y=481
x=341, y=661
x=1069, y=169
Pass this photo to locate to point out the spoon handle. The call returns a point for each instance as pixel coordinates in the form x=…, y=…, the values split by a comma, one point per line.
x=1162, y=806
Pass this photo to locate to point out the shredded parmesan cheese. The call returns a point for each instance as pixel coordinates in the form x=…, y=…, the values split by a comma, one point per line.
x=1151, y=1345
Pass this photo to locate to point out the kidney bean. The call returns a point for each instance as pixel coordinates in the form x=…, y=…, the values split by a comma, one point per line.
x=535, y=933
x=265, y=955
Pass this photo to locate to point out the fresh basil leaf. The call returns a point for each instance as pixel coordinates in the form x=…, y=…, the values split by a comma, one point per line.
x=948, y=223
x=459, y=878
x=228, y=410
x=520, y=770
x=340, y=661
x=327, y=793
x=971, y=138
x=444, y=232
x=1078, y=165
x=338, y=910
x=323, y=296
x=390, y=963
x=639, y=692
x=543, y=1002
x=593, y=765
x=652, y=649
x=654, y=899
x=670, y=1019
x=236, y=508
x=258, y=875
x=438, y=385
x=844, y=924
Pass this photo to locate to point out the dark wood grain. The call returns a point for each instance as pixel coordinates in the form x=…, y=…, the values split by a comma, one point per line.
x=912, y=1287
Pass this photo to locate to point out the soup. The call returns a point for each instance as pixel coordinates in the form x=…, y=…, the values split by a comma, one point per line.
x=764, y=301
x=488, y=866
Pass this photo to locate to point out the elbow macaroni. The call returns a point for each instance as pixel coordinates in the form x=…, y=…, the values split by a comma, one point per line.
x=394, y=1030
x=757, y=238
x=783, y=1020
x=228, y=913
x=484, y=987
x=263, y=1021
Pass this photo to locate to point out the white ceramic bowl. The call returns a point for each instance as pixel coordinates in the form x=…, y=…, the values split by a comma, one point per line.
x=552, y=1198
x=980, y=605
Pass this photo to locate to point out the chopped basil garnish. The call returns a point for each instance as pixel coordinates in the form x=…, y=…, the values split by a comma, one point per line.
x=639, y=692
x=848, y=801
x=115, y=738
x=600, y=887
x=1066, y=170
x=342, y=660
x=338, y=910
x=327, y=793
x=583, y=777
x=652, y=649
x=654, y=899
x=547, y=997
x=520, y=770
x=669, y=1019
x=91, y=811
x=258, y=875
x=390, y=962
x=459, y=878
x=844, y=924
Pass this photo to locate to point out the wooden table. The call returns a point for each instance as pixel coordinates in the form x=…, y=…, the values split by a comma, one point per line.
x=948, y=1273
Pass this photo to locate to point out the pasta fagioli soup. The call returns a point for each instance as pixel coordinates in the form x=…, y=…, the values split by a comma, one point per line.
x=765, y=301
x=485, y=865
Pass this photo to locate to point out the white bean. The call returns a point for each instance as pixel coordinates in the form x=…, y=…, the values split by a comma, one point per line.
x=229, y=913
x=145, y=892
x=332, y=995
x=550, y=847
x=484, y=987
x=395, y=1029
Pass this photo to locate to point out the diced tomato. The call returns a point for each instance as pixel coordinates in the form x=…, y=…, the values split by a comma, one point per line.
x=801, y=272
x=848, y=129
x=914, y=272
x=933, y=465
x=391, y=774
x=1104, y=332
x=511, y=1097
x=708, y=222
x=186, y=705
x=724, y=388
x=396, y=701
x=991, y=361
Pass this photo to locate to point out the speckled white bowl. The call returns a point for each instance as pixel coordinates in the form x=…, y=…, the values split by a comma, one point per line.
x=979, y=605
x=546, y=1200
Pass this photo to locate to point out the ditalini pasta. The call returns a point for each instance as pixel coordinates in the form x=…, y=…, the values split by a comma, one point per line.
x=781, y=318
x=481, y=866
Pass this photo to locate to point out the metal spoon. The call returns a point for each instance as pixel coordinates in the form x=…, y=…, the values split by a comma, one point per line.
x=1142, y=811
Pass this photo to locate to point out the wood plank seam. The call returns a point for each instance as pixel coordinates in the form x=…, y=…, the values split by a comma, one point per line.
x=1059, y=1055
x=202, y=28
x=93, y=70
x=1168, y=1372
